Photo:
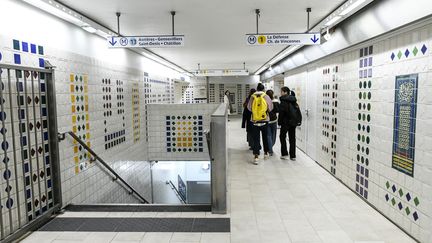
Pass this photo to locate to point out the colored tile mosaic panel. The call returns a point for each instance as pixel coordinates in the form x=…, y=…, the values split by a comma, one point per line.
x=185, y=134
x=239, y=99
x=404, y=125
x=212, y=93
x=402, y=199
x=330, y=114
x=364, y=117
x=409, y=52
x=221, y=93
x=110, y=112
x=22, y=47
x=80, y=120
x=326, y=132
x=158, y=91
x=136, y=116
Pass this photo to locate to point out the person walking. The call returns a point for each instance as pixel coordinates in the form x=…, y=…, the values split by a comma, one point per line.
x=260, y=105
x=228, y=102
x=289, y=119
x=246, y=120
x=272, y=126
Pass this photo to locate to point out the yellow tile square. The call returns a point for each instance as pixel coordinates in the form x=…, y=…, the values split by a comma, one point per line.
x=76, y=159
x=74, y=129
x=74, y=119
x=189, y=144
x=72, y=88
x=75, y=149
x=72, y=77
x=76, y=169
x=73, y=109
x=73, y=98
x=87, y=126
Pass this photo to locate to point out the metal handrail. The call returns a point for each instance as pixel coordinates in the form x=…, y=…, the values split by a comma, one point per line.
x=95, y=156
x=176, y=191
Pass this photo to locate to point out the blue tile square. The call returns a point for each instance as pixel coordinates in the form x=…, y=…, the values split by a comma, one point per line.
x=17, y=58
x=33, y=48
x=25, y=47
x=41, y=62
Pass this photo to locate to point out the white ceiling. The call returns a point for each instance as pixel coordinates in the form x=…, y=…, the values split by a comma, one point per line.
x=214, y=30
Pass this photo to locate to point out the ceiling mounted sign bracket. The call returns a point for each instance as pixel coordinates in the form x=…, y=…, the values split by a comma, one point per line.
x=308, y=11
x=118, y=23
x=258, y=15
x=172, y=21
x=244, y=65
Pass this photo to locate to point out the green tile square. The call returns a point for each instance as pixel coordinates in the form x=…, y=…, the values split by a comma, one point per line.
x=393, y=201
x=401, y=192
x=399, y=55
x=407, y=210
x=16, y=45
x=415, y=51
x=388, y=185
x=416, y=201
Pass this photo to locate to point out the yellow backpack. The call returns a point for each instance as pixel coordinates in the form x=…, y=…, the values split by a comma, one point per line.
x=259, y=108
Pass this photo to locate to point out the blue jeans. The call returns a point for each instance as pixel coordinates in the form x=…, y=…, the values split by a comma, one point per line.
x=271, y=134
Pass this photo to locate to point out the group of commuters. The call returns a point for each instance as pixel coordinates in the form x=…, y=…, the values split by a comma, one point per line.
x=262, y=114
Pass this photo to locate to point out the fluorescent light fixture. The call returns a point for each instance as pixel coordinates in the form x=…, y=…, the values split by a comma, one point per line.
x=352, y=7
x=333, y=20
x=88, y=28
x=55, y=11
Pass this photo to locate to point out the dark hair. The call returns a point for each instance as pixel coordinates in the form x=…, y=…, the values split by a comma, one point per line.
x=270, y=94
x=285, y=89
x=260, y=87
x=251, y=92
x=227, y=91
x=292, y=93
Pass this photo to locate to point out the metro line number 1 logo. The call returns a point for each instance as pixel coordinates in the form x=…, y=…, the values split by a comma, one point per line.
x=262, y=39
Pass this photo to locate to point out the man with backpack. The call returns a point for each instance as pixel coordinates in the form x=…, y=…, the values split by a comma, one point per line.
x=260, y=105
x=289, y=118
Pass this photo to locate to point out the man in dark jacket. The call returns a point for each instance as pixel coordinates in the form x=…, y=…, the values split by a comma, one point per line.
x=288, y=122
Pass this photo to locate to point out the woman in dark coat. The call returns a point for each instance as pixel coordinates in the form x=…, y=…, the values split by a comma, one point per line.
x=246, y=121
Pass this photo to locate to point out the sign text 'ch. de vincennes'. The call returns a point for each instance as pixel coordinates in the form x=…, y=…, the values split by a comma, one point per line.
x=283, y=39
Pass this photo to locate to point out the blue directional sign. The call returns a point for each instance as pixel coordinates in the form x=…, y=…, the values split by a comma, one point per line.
x=145, y=41
x=283, y=39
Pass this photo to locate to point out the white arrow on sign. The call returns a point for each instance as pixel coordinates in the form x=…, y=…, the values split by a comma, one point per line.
x=283, y=39
x=146, y=41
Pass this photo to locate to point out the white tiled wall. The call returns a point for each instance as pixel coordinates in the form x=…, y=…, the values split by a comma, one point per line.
x=385, y=184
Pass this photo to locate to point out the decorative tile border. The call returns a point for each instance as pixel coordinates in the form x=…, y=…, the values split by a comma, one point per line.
x=408, y=53
x=136, y=116
x=364, y=117
x=80, y=120
x=405, y=201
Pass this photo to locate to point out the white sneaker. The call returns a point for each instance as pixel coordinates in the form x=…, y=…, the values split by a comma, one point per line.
x=284, y=157
x=293, y=159
x=256, y=160
x=266, y=156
